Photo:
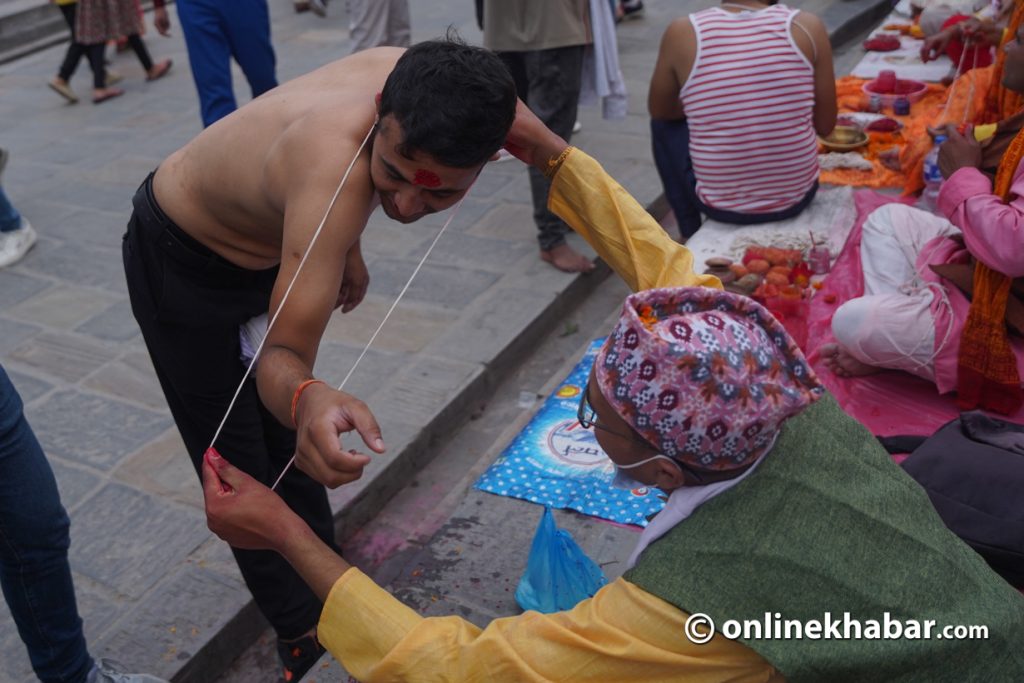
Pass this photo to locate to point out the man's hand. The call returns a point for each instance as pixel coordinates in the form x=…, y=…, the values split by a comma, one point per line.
x=323, y=415
x=241, y=510
x=161, y=22
x=935, y=46
x=958, y=151
x=355, y=280
x=531, y=141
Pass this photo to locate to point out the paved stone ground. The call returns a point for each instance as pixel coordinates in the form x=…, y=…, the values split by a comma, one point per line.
x=153, y=586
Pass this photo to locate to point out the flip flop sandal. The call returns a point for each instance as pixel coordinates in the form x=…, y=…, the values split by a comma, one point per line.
x=64, y=90
x=160, y=73
x=111, y=94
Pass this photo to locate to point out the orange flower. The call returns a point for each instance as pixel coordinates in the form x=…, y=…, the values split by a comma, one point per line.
x=647, y=316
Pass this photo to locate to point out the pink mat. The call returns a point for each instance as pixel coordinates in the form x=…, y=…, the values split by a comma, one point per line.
x=890, y=402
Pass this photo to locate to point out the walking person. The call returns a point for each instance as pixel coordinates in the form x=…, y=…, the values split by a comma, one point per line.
x=101, y=78
x=378, y=23
x=16, y=233
x=215, y=32
x=99, y=21
x=542, y=43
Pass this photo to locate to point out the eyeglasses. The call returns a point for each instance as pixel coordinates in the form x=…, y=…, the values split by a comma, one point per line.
x=587, y=417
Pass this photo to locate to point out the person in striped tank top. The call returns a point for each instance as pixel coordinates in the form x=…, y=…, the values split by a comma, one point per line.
x=736, y=98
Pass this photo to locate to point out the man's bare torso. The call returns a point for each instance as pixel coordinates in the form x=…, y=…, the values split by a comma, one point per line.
x=228, y=187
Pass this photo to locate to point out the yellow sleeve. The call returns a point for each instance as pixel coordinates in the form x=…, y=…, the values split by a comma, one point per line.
x=619, y=229
x=622, y=634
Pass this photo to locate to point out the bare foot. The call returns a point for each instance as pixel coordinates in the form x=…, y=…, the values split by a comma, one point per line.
x=159, y=70
x=840, y=362
x=100, y=95
x=568, y=259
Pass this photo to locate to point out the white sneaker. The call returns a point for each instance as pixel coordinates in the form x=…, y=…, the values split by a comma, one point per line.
x=318, y=7
x=577, y=127
x=109, y=671
x=16, y=243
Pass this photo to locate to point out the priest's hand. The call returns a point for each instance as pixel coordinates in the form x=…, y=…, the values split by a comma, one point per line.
x=958, y=151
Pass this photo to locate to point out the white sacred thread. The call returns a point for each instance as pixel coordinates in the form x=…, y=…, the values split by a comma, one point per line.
x=387, y=315
x=291, y=284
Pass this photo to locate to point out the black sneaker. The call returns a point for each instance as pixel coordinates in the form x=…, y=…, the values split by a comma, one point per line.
x=298, y=657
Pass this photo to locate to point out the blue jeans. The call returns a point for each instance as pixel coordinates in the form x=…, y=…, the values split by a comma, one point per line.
x=215, y=31
x=670, y=141
x=34, y=540
x=10, y=219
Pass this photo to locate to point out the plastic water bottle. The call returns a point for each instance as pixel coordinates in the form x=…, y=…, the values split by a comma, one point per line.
x=932, y=178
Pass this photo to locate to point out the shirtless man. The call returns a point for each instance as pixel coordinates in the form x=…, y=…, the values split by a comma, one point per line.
x=219, y=230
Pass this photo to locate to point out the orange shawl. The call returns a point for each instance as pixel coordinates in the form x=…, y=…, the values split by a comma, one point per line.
x=987, y=375
x=1002, y=103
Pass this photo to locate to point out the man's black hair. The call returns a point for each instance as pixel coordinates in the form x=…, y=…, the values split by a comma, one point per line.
x=454, y=102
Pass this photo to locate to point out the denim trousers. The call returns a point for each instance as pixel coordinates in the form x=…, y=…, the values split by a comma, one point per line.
x=215, y=32
x=670, y=142
x=34, y=540
x=10, y=219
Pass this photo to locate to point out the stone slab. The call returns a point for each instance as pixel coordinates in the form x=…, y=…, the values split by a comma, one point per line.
x=84, y=265
x=410, y=328
x=29, y=388
x=18, y=287
x=119, y=379
x=162, y=468
x=169, y=633
x=13, y=334
x=74, y=483
x=65, y=356
x=62, y=307
x=496, y=321
x=334, y=361
x=113, y=324
x=94, y=430
x=443, y=286
x=126, y=540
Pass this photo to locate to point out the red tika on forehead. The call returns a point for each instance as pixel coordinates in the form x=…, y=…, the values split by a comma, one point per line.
x=426, y=178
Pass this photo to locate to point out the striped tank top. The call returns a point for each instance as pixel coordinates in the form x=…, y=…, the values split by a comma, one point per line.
x=749, y=103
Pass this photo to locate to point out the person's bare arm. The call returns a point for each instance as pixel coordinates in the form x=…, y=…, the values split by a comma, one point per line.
x=811, y=37
x=322, y=413
x=675, y=60
x=250, y=516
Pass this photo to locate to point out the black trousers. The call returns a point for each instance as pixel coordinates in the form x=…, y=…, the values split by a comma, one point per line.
x=76, y=50
x=189, y=303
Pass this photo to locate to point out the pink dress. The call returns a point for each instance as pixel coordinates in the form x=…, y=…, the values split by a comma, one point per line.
x=994, y=234
x=101, y=20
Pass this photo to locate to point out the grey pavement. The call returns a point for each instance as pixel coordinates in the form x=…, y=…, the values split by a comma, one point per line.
x=156, y=590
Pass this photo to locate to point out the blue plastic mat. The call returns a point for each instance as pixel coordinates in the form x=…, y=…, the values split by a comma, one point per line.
x=555, y=462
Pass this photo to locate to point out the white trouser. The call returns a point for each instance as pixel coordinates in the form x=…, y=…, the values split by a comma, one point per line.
x=892, y=326
x=373, y=23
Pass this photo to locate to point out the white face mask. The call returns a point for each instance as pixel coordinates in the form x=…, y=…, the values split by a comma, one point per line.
x=623, y=480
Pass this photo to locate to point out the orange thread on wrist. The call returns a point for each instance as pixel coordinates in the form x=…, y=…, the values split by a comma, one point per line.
x=298, y=393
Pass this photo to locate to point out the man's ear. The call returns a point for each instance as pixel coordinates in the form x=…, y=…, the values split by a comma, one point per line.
x=669, y=476
x=377, y=98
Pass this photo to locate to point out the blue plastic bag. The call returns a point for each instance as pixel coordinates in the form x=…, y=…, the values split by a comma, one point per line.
x=558, y=573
